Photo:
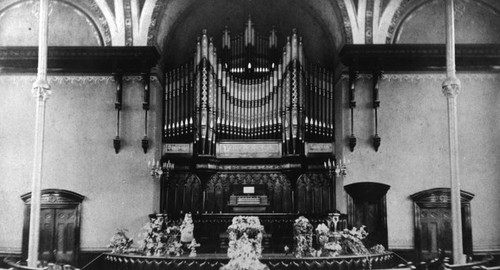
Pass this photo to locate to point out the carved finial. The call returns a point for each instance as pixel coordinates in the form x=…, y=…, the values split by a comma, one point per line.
x=117, y=144
x=352, y=142
x=376, y=142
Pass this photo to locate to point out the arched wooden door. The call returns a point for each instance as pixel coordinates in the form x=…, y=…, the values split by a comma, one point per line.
x=59, y=226
x=366, y=205
x=433, y=230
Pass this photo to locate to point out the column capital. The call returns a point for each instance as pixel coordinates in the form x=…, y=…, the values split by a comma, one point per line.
x=41, y=89
x=451, y=87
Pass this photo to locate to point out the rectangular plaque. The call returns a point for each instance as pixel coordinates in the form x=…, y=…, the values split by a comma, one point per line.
x=249, y=149
x=319, y=148
x=178, y=148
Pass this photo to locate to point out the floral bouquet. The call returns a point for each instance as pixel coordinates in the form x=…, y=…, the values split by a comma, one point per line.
x=245, y=244
x=161, y=237
x=303, y=233
x=243, y=224
x=332, y=249
x=351, y=241
x=120, y=242
x=322, y=233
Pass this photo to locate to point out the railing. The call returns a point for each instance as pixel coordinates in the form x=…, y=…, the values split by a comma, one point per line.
x=469, y=266
x=273, y=261
x=50, y=266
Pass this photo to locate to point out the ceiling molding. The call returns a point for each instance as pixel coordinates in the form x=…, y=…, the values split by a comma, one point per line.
x=423, y=57
x=80, y=60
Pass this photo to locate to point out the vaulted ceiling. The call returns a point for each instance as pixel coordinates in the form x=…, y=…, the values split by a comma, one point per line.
x=318, y=22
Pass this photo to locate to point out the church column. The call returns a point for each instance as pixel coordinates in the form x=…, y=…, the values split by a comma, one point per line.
x=41, y=92
x=451, y=87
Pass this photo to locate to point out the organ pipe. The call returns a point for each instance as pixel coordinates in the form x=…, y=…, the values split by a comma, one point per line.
x=249, y=91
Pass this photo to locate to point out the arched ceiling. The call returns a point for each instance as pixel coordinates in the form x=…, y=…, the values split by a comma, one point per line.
x=317, y=21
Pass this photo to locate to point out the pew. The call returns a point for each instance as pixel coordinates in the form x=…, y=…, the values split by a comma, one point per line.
x=476, y=265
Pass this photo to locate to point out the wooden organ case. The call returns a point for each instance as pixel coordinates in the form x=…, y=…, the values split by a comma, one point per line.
x=248, y=114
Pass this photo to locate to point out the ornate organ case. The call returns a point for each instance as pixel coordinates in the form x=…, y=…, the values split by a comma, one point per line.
x=249, y=113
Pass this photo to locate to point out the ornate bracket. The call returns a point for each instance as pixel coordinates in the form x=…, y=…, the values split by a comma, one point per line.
x=376, y=104
x=353, y=76
x=118, y=107
x=145, y=107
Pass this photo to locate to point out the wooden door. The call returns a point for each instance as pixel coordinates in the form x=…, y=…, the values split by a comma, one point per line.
x=366, y=205
x=57, y=235
x=59, y=226
x=46, y=246
x=433, y=230
x=436, y=235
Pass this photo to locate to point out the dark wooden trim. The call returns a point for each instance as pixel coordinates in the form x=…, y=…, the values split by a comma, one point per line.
x=59, y=196
x=81, y=60
x=419, y=57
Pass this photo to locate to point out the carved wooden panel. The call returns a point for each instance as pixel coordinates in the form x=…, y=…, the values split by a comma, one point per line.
x=314, y=193
x=181, y=194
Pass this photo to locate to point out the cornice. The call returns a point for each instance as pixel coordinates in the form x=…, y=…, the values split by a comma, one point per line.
x=419, y=57
x=81, y=60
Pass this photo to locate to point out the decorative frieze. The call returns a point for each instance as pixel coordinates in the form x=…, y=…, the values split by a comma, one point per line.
x=437, y=77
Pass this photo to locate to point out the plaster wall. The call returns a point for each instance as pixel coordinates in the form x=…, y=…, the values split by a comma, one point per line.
x=78, y=154
x=413, y=155
x=475, y=22
x=68, y=25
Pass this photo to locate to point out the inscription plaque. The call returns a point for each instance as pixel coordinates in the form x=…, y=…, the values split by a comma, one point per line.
x=319, y=148
x=249, y=149
x=179, y=148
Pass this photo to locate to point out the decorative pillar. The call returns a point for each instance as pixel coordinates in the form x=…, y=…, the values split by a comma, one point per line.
x=41, y=91
x=451, y=87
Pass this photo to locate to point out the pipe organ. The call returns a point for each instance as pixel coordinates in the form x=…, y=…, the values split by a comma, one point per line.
x=248, y=125
x=248, y=89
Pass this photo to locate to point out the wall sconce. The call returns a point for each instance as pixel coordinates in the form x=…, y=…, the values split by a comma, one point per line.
x=158, y=170
x=338, y=168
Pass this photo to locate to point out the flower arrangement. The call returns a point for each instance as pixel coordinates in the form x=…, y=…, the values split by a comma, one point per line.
x=377, y=249
x=302, y=234
x=187, y=228
x=245, y=244
x=332, y=249
x=322, y=233
x=351, y=241
x=161, y=237
x=120, y=242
